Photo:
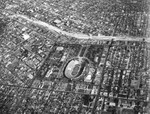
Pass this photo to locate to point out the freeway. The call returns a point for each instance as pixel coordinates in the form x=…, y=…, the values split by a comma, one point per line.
x=75, y=35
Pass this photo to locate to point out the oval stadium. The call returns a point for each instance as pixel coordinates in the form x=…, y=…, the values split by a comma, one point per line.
x=76, y=68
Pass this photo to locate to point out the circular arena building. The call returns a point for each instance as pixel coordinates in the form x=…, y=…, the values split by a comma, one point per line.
x=76, y=68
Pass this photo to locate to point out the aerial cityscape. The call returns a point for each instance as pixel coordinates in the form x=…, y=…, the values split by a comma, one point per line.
x=74, y=57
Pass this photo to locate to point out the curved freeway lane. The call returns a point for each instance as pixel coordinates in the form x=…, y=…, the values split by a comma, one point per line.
x=75, y=35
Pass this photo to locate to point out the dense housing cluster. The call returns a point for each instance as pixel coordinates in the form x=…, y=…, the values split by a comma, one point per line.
x=45, y=71
x=121, y=65
x=98, y=17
